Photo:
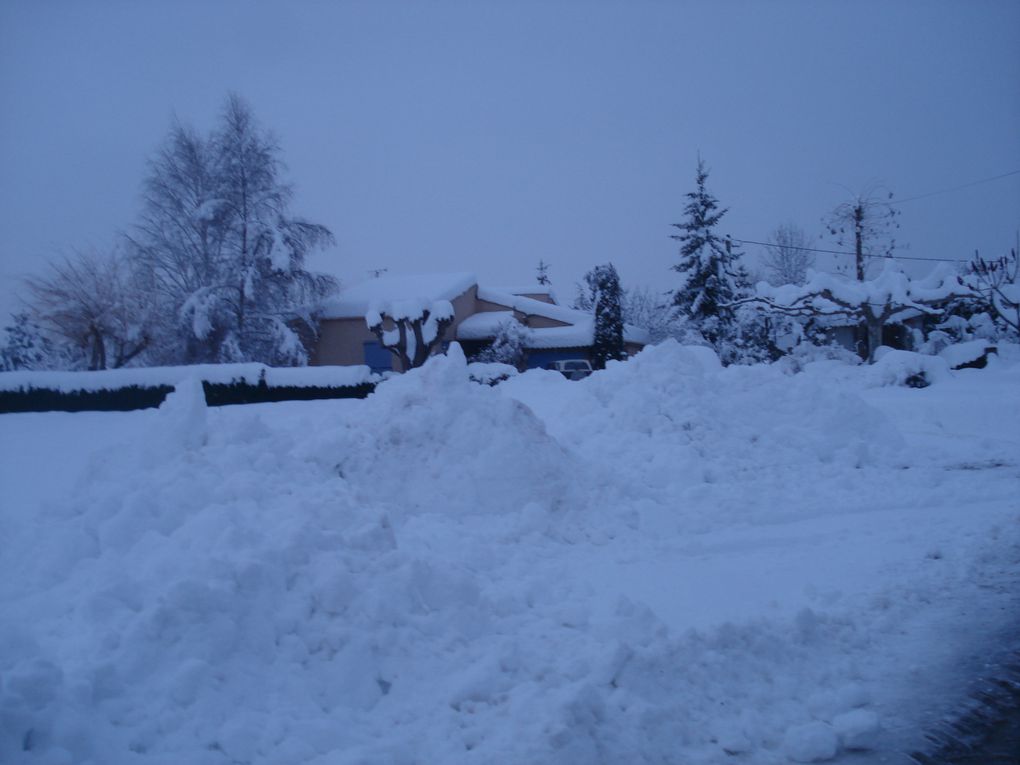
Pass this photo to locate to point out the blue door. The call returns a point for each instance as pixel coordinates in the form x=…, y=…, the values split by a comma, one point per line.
x=378, y=358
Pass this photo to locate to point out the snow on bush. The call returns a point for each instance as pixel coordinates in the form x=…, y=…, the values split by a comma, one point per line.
x=915, y=370
x=965, y=353
x=490, y=373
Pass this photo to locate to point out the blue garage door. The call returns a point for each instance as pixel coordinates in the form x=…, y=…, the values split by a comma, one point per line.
x=378, y=358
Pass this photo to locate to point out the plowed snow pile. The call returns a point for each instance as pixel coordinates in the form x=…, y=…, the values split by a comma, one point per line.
x=667, y=562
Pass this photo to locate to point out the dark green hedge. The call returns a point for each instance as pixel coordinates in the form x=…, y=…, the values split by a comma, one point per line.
x=144, y=397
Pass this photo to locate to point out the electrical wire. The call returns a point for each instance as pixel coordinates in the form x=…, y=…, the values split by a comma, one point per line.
x=955, y=188
x=845, y=252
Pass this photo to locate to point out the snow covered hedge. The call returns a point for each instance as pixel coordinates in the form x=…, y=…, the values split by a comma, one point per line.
x=142, y=388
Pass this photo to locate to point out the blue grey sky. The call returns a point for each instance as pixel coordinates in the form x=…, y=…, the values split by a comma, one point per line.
x=485, y=136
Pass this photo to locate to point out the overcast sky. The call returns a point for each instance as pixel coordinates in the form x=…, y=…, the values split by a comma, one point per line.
x=484, y=136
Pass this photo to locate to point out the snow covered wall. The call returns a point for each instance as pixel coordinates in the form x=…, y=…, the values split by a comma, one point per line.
x=667, y=562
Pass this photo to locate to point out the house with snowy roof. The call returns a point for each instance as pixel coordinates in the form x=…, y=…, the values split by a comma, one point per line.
x=555, y=332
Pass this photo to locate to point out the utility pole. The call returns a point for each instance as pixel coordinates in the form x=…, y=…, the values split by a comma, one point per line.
x=858, y=214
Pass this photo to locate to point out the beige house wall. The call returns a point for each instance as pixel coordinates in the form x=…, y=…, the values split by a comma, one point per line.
x=341, y=341
x=484, y=306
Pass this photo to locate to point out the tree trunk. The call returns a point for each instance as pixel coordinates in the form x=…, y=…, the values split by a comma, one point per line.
x=859, y=241
x=98, y=360
x=874, y=326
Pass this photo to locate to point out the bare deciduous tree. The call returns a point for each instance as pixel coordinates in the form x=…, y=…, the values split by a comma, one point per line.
x=414, y=334
x=996, y=282
x=787, y=257
x=93, y=302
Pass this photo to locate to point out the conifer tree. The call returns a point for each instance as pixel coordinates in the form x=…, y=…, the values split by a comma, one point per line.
x=708, y=265
x=543, y=273
x=608, y=342
x=27, y=347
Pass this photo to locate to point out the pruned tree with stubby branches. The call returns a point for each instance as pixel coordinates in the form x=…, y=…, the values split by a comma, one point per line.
x=410, y=330
x=996, y=282
x=868, y=223
x=872, y=303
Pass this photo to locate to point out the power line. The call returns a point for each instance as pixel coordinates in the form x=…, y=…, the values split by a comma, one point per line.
x=844, y=252
x=956, y=188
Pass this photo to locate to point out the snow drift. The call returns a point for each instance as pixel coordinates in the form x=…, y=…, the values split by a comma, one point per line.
x=666, y=562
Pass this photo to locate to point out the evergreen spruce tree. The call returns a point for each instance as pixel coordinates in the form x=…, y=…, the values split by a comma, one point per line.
x=608, y=342
x=543, y=273
x=708, y=266
x=26, y=346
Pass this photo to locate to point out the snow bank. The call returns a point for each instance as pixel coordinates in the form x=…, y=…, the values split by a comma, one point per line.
x=915, y=370
x=672, y=418
x=665, y=562
x=964, y=353
x=225, y=374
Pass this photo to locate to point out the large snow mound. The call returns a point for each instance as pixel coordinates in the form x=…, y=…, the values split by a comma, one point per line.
x=665, y=562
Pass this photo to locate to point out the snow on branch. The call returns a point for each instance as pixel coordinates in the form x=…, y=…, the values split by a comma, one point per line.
x=417, y=325
x=871, y=303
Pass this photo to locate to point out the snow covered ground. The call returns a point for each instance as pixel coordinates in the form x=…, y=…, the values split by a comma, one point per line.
x=666, y=562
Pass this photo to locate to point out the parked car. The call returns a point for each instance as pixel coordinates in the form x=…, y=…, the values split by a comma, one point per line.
x=572, y=369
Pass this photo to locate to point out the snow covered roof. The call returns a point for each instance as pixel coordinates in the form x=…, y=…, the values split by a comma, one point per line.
x=530, y=289
x=482, y=326
x=578, y=332
x=532, y=307
x=354, y=302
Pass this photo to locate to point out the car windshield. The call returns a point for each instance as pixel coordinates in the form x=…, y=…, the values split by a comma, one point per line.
x=572, y=365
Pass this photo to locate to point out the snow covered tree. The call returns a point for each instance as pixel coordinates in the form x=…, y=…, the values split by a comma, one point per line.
x=709, y=266
x=787, y=258
x=608, y=340
x=178, y=245
x=94, y=303
x=27, y=347
x=652, y=312
x=543, y=273
x=871, y=303
x=509, y=344
x=410, y=329
x=221, y=250
x=584, y=299
x=996, y=283
x=264, y=246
